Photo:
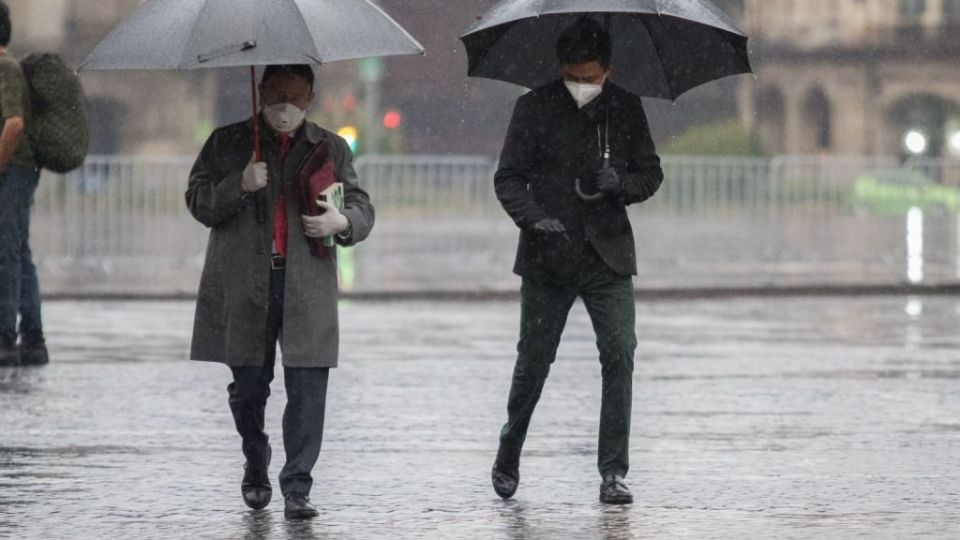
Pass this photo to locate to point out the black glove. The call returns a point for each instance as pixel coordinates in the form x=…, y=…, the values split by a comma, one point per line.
x=549, y=226
x=609, y=182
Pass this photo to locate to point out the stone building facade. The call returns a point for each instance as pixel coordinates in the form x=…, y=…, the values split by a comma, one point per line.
x=854, y=77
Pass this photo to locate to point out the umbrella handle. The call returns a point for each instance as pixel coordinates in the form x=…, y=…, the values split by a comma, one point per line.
x=256, y=121
x=260, y=202
x=589, y=198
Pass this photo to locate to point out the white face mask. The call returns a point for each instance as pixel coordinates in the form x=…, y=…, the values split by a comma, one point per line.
x=284, y=117
x=584, y=93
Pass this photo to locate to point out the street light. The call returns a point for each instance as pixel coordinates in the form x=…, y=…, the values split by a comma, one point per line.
x=916, y=142
x=955, y=142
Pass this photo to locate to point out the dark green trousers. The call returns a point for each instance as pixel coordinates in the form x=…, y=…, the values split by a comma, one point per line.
x=609, y=300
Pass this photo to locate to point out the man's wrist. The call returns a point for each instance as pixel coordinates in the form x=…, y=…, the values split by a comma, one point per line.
x=347, y=232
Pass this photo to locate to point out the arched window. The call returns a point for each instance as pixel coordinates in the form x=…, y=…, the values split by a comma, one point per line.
x=912, y=9
x=770, y=113
x=951, y=10
x=105, y=117
x=818, y=120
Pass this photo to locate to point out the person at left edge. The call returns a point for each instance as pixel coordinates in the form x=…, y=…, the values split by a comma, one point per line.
x=262, y=283
x=19, y=176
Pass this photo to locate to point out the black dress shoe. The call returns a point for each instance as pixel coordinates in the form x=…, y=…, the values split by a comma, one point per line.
x=297, y=506
x=33, y=350
x=255, y=488
x=9, y=354
x=505, y=479
x=614, y=491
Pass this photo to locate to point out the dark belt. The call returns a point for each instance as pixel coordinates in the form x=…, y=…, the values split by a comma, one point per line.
x=278, y=262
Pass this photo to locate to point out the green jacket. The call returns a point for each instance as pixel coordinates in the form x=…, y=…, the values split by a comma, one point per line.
x=15, y=101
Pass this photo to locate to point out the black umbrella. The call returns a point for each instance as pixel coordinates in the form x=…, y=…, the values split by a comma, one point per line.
x=661, y=48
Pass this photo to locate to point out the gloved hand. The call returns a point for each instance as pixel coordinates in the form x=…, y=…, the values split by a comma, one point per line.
x=329, y=223
x=609, y=182
x=549, y=226
x=254, y=176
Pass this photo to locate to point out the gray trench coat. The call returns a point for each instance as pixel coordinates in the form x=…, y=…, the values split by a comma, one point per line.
x=230, y=323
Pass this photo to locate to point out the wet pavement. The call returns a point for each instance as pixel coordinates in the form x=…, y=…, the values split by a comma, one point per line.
x=475, y=254
x=775, y=418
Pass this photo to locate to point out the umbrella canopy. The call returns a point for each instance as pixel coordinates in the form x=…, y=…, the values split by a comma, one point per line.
x=661, y=48
x=192, y=34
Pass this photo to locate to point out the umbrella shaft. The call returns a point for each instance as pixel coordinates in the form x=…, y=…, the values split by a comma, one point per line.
x=256, y=123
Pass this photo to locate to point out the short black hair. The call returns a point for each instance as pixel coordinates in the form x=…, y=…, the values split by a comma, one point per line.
x=301, y=70
x=5, y=27
x=584, y=41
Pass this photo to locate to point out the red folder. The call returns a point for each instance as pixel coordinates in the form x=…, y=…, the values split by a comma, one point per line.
x=317, y=174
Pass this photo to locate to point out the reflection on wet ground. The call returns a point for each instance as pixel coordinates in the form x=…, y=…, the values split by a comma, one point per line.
x=693, y=250
x=776, y=418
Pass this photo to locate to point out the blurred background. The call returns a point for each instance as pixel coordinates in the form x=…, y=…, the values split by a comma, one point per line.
x=837, y=163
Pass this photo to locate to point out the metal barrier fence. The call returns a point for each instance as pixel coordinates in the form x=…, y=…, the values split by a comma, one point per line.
x=121, y=218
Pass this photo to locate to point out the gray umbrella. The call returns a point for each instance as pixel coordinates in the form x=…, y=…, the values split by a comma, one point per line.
x=193, y=34
x=661, y=48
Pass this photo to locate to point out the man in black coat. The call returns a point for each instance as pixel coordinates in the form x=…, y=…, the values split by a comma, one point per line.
x=577, y=153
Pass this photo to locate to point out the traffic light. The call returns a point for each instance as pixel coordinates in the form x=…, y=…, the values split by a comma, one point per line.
x=351, y=135
x=392, y=119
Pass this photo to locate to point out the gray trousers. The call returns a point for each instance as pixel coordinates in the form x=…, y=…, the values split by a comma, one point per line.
x=302, y=417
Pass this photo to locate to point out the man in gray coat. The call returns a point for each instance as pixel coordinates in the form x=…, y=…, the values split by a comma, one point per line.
x=262, y=282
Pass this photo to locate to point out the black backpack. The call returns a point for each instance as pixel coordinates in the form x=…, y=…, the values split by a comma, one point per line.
x=57, y=124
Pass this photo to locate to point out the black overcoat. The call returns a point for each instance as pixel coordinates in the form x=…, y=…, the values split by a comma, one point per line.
x=551, y=143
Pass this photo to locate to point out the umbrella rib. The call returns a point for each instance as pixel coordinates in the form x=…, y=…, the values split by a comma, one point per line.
x=397, y=26
x=316, y=57
x=184, y=62
x=666, y=79
x=482, y=56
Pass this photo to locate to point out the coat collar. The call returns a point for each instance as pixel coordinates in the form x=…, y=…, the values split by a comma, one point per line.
x=308, y=133
x=312, y=133
x=558, y=93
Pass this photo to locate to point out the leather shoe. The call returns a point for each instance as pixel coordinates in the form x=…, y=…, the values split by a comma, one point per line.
x=614, y=491
x=255, y=487
x=505, y=479
x=33, y=350
x=298, y=506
